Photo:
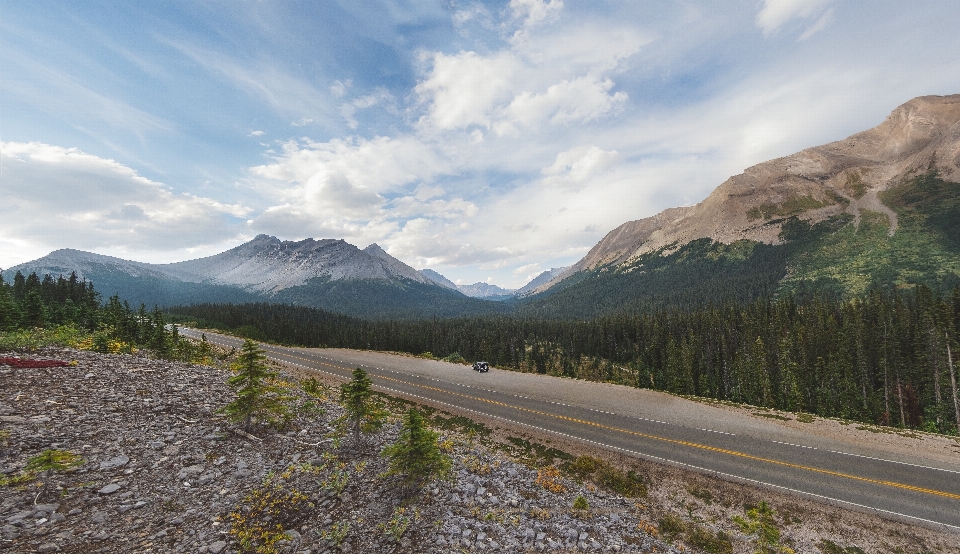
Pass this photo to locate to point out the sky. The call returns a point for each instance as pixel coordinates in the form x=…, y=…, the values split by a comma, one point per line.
x=488, y=141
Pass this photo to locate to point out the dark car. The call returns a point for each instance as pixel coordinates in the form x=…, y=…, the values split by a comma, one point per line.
x=482, y=367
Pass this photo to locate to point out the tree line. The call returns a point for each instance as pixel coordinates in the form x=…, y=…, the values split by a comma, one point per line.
x=885, y=358
x=30, y=302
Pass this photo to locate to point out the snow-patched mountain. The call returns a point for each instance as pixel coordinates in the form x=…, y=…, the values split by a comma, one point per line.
x=265, y=265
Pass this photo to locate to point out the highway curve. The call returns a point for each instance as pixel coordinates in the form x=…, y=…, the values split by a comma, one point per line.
x=660, y=427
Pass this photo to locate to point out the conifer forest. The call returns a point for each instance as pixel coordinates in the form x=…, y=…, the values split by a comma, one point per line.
x=884, y=358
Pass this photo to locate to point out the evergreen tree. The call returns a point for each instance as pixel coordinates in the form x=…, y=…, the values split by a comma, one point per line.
x=364, y=413
x=34, y=312
x=416, y=455
x=9, y=314
x=258, y=394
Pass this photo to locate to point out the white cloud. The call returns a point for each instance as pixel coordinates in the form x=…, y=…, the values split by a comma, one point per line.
x=380, y=164
x=255, y=134
x=349, y=109
x=560, y=76
x=528, y=272
x=339, y=88
x=337, y=189
x=531, y=13
x=576, y=167
x=462, y=89
x=410, y=206
x=424, y=192
x=302, y=122
x=57, y=197
x=583, y=99
x=777, y=12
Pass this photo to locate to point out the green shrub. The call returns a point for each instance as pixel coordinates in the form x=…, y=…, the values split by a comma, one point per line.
x=670, y=526
x=603, y=474
x=761, y=524
x=581, y=503
x=713, y=543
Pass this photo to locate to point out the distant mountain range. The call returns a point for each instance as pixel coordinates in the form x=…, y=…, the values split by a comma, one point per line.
x=328, y=274
x=493, y=292
x=878, y=209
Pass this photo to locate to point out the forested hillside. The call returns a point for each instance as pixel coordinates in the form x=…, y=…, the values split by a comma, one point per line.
x=882, y=358
x=381, y=299
x=840, y=255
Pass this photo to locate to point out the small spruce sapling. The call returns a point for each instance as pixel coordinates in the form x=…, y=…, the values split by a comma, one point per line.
x=258, y=392
x=416, y=455
x=364, y=412
x=50, y=461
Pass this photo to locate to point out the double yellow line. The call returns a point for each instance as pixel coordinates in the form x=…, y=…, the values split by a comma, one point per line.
x=690, y=444
x=668, y=440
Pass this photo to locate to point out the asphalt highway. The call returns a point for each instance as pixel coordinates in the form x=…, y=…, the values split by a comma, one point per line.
x=647, y=425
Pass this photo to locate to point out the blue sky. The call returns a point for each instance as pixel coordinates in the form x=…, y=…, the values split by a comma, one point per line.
x=486, y=140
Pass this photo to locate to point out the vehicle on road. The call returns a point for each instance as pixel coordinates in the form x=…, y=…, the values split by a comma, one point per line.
x=482, y=367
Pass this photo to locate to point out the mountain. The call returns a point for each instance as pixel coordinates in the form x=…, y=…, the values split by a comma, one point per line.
x=438, y=279
x=877, y=208
x=329, y=274
x=267, y=265
x=541, y=279
x=486, y=291
x=492, y=292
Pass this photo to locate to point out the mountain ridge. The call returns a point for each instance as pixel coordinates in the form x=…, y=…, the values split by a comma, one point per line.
x=815, y=184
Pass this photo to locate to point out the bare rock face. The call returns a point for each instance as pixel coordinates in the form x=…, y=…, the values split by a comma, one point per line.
x=814, y=184
x=267, y=264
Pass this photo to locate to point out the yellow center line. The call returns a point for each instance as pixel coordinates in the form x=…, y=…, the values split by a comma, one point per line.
x=665, y=439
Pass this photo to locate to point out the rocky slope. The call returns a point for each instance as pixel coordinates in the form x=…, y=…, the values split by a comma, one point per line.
x=438, y=279
x=814, y=184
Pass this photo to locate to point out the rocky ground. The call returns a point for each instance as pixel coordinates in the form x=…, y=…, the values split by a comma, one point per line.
x=163, y=472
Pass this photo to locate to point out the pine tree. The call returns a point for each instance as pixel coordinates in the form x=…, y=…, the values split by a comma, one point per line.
x=364, y=413
x=258, y=394
x=33, y=310
x=9, y=315
x=416, y=455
